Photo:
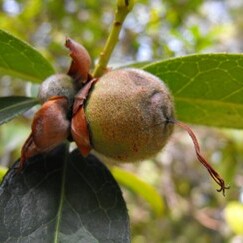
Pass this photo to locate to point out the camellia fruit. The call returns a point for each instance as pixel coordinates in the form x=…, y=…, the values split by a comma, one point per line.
x=128, y=113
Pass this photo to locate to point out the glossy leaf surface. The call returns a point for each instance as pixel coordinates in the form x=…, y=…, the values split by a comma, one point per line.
x=13, y=106
x=62, y=197
x=207, y=88
x=19, y=59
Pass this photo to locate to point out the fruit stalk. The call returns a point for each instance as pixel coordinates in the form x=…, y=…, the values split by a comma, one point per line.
x=123, y=8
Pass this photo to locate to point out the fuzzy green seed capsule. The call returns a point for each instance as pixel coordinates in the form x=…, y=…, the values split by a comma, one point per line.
x=127, y=113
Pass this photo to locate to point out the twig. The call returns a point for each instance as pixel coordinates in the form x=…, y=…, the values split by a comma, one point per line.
x=123, y=8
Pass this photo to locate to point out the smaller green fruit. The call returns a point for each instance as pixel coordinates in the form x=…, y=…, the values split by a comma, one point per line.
x=56, y=85
x=128, y=113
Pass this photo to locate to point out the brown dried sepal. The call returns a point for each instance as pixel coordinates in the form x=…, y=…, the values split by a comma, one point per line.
x=50, y=127
x=79, y=125
x=81, y=62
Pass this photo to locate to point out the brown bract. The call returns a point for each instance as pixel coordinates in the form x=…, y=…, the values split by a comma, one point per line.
x=81, y=61
x=51, y=124
x=79, y=126
x=49, y=128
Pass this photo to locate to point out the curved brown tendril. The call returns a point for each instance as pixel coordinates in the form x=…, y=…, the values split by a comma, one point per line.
x=217, y=178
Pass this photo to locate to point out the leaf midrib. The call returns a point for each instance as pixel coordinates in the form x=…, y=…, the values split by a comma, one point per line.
x=62, y=195
x=15, y=105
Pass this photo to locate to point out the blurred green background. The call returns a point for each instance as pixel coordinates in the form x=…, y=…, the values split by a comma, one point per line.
x=155, y=30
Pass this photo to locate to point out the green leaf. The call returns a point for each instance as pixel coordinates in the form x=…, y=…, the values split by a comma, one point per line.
x=62, y=197
x=141, y=188
x=19, y=59
x=207, y=88
x=13, y=106
x=135, y=65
